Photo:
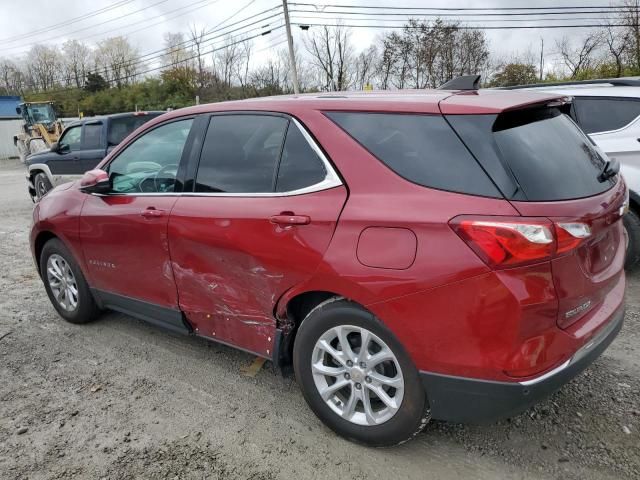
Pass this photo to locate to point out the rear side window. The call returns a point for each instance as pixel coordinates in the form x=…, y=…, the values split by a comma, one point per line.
x=92, y=136
x=240, y=154
x=300, y=165
x=420, y=148
x=120, y=128
x=547, y=154
x=605, y=114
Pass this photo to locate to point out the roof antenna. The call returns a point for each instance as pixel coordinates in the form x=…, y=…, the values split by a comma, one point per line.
x=464, y=82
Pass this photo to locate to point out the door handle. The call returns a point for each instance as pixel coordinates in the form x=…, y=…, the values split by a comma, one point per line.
x=152, y=212
x=290, y=219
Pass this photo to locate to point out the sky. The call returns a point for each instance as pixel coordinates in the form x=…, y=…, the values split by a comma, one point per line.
x=144, y=22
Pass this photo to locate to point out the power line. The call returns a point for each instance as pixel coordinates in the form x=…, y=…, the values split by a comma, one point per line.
x=395, y=7
x=55, y=26
x=448, y=19
x=491, y=14
x=465, y=27
x=89, y=27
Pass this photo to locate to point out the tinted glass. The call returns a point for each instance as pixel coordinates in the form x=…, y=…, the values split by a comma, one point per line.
x=605, y=114
x=240, y=154
x=549, y=156
x=150, y=163
x=300, y=165
x=421, y=148
x=71, y=138
x=92, y=136
x=120, y=128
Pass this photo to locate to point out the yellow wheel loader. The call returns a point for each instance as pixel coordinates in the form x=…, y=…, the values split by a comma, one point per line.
x=41, y=128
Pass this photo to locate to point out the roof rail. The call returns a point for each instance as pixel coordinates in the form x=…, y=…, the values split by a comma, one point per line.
x=616, y=82
x=464, y=82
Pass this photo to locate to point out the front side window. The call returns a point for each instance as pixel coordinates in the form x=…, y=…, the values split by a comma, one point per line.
x=92, y=136
x=240, y=154
x=605, y=114
x=70, y=139
x=150, y=163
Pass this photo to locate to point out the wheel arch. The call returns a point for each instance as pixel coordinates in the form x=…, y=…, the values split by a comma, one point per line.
x=41, y=239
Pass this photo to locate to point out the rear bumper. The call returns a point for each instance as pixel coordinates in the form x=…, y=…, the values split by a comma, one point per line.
x=468, y=400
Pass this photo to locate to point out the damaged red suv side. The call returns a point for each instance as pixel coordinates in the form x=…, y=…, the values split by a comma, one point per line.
x=436, y=254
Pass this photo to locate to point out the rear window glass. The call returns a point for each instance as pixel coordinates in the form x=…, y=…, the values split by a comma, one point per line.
x=420, y=148
x=605, y=114
x=550, y=158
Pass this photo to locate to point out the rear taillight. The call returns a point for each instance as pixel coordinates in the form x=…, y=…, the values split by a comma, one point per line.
x=504, y=242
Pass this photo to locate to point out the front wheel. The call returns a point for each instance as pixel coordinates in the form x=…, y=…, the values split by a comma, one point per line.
x=356, y=376
x=41, y=184
x=65, y=284
x=632, y=227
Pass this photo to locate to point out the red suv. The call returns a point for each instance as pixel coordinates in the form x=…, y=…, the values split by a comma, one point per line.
x=436, y=254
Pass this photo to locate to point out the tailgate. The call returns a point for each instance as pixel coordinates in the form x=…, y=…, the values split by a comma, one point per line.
x=583, y=276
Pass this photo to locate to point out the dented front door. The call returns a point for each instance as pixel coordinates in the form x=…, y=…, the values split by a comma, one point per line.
x=233, y=257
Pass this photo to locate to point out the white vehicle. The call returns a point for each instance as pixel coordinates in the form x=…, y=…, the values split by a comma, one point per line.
x=609, y=112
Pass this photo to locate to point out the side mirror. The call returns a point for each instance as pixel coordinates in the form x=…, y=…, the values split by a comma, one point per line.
x=95, y=181
x=18, y=110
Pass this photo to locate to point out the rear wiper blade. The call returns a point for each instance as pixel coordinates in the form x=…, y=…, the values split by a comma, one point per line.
x=610, y=169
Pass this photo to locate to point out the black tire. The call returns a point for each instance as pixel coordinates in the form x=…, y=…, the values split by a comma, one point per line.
x=41, y=184
x=86, y=309
x=632, y=226
x=413, y=413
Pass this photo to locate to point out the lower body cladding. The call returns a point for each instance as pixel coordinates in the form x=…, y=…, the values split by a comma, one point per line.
x=468, y=400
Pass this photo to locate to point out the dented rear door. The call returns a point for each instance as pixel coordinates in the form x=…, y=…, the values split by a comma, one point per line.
x=234, y=253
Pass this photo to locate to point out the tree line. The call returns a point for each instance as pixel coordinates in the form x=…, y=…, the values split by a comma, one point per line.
x=112, y=75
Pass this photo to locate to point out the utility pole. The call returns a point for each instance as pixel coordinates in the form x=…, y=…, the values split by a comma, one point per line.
x=541, y=58
x=292, y=57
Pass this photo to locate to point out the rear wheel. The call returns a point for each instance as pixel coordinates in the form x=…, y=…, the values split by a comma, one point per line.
x=65, y=284
x=356, y=376
x=632, y=227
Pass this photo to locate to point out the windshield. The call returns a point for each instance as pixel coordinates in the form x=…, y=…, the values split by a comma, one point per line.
x=40, y=113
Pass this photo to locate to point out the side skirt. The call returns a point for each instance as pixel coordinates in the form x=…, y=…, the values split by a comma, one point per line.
x=167, y=318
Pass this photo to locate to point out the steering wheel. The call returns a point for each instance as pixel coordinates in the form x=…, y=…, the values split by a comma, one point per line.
x=171, y=169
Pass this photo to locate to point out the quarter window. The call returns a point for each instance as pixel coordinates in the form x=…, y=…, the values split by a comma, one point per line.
x=150, y=163
x=70, y=140
x=240, y=154
x=420, y=148
x=605, y=114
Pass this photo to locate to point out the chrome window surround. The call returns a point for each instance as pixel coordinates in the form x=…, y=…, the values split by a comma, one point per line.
x=331, y=179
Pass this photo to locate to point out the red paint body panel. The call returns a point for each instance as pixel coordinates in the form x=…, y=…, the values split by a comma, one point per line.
x=126, y=252
x=232, y=263
x=232, y=271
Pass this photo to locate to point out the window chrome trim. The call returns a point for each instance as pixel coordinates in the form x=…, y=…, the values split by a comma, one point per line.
x=331, y=179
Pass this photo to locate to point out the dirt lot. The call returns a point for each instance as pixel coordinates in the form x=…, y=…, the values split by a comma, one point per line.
x=119, y=399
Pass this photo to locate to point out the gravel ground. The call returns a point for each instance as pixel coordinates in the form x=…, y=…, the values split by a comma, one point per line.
x=118, y=399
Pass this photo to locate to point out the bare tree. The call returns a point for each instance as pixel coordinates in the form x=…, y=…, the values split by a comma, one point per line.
x=197, y=37
x=176, y=53
x=331, y=53
x=117, y=61
x=580, y=58
x=225, y=61
x=365, y=67
x=12, y=79
x=617, y=43
x=630, y=16
x=77, y=61
x=241, y=67
x=43, y=64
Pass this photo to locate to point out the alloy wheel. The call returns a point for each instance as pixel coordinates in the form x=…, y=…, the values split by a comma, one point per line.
x=357, y=375
x=62, y=282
